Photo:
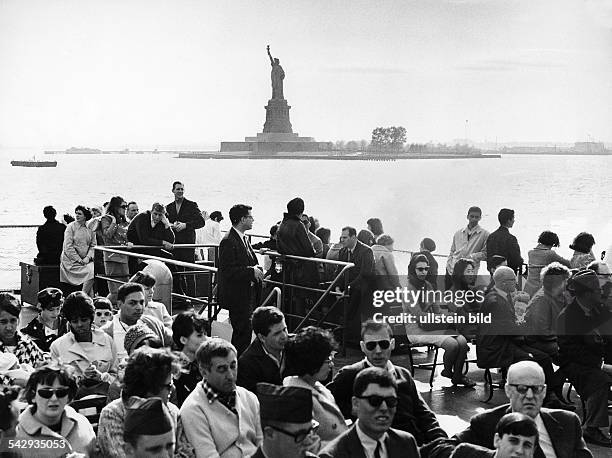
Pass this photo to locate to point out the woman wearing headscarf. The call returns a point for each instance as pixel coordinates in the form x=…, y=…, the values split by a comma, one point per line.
x=422, y=302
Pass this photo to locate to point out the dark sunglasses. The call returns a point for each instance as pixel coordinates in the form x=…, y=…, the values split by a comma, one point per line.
x=47, y=393
x=522, y=389
x=383, y=344
x=422, y=269
x=108, y=313
x=299, y=436
x=124, y=206
x=376, y=400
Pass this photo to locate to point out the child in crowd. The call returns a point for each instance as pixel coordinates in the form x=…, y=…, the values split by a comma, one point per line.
x=104, y=311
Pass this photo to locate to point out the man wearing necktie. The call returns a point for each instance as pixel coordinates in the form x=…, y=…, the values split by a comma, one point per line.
x=559, y=431
x=239, y=276
x=375, y=402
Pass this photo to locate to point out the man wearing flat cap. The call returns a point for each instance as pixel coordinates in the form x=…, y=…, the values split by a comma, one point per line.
x=584, y=335
x=286, y=420
x=148, y=429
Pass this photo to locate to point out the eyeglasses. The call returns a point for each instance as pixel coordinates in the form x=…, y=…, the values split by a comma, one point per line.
x=298, y=436
x=47, y=393
x=422, y=269
x=383, y=344
x=522, y=389
x=108, y=313
x=376, y=400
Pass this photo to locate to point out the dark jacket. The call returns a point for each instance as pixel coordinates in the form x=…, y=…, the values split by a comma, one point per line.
x=255, y=367
x=348, y=445
x=140, y=231
x=190, y=215
x=496, y=341
x=361, y=278
x=36, y=330
x=49, y=240
x=563, y=428
x=501, y=242
x=292, y=237
x=413, y=415
x=579, y=343
x=235, y=273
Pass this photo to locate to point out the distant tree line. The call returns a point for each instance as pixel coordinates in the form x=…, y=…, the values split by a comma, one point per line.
x=393, y=140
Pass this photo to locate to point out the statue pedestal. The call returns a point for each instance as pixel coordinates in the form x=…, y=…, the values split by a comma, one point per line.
x=277, y=136
x=277, y=117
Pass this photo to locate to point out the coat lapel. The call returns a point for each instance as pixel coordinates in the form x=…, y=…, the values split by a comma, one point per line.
x=354, y=444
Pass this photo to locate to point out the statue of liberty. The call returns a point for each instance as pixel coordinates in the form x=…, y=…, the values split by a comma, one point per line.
x=278, y=75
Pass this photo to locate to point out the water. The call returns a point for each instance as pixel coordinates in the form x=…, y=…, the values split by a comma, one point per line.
x=413, y=198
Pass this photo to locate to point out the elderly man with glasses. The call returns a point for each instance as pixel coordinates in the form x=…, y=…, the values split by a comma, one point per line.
x=412, y=415
x=559, y=431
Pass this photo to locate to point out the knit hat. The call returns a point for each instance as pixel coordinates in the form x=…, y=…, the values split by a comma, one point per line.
x=135, y=335
x=148, y=417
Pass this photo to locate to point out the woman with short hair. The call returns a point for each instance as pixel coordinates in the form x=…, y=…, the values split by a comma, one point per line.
x=49, y=324
x=76, y=263
x=49, y=419
x=148, y=374
x=309, y=361
x=541, y=256
x=583, y=251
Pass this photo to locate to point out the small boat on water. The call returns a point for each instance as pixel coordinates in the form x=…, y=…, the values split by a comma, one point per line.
x=33, y=163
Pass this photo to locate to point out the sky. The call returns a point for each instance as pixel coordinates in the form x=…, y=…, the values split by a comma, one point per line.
x=115, y=73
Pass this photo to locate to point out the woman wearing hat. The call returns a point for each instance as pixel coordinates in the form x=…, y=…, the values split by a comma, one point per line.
x=48, y=325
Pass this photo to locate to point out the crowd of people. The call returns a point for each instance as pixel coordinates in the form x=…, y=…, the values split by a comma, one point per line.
x=165, y=388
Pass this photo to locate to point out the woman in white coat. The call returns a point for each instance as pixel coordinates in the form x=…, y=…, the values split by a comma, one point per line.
x=76, y=262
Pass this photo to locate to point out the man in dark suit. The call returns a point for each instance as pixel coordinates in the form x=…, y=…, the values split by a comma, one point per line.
x=375, y=402
x=412, y=413
x=361, y=280
x=502, y=243
x=502, y=342
x=240, y=277
x=559, y=431
x=49, y=239
x=261, y=362
x=516, y=435
x=185, y=217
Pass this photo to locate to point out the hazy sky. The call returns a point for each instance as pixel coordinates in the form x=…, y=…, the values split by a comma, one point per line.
x=115, y=73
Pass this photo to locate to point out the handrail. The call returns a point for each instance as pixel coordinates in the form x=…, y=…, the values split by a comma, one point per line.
x=156, y=258
x=276, y=291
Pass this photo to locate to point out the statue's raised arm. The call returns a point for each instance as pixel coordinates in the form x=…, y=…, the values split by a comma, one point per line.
x=278, y=75
x=270, y=55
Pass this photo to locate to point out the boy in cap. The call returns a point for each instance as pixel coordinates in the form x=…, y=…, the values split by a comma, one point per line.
x=148, y=430
x=286, y=420
x=48, y=325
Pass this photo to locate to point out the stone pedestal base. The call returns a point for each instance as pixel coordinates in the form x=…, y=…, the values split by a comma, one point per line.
x=274, y=147
x=277, y=117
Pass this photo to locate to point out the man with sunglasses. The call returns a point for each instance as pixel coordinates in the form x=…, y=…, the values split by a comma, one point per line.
x=559, y=431
x=286, y=421
x=375, y=400
x=412, y=414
